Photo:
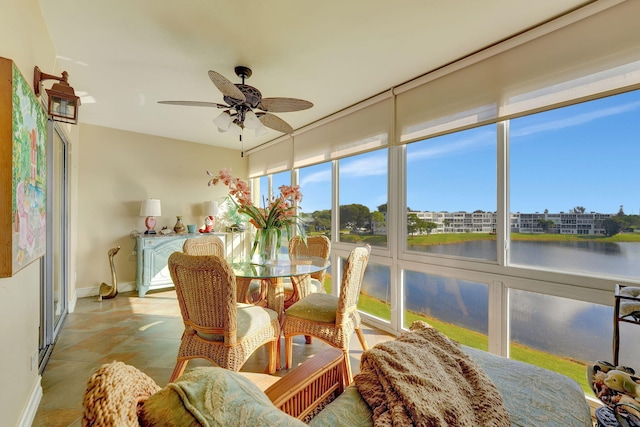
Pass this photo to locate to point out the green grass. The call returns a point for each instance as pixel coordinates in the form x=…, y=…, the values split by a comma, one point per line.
x=574, y=369
x=452, y=238
x=372, y=239
x=449, y=238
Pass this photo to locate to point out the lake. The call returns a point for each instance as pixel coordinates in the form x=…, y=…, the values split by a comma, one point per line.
x=558, y=325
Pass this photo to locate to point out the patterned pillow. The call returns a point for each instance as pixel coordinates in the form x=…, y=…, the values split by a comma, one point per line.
x=212, y=396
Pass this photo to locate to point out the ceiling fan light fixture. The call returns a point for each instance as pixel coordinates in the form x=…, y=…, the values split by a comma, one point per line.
x=261, y=130
x=223, y=121
x=251, y=121
x=241, y=100
x=235, y=129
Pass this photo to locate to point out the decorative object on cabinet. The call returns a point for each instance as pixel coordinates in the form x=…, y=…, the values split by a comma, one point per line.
x=107, y=291
x=179, y=228
x=211, y=211
x=151, y=209
x=62, y=100
x=191, y=228
x=23, y=175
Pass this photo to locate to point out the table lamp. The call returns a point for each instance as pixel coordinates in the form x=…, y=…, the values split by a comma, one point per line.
x=210, y=210
x=151, y=209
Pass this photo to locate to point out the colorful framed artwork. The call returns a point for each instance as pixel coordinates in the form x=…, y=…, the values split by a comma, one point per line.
x=23, y=172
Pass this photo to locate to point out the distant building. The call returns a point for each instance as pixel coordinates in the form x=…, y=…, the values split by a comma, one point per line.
x=486, y=222
x=563, y=223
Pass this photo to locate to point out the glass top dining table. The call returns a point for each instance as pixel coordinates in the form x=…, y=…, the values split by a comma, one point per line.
x=274, y=272
x=282, y=267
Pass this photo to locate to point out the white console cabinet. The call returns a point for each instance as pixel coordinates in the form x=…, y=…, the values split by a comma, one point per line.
x=153, y=251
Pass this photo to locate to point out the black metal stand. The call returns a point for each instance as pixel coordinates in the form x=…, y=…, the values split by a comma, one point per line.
x=633, y=318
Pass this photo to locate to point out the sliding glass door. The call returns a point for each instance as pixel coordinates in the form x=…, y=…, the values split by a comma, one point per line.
x=54, y=284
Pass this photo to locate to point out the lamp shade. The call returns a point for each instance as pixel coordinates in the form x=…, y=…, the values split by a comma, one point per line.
x=210, y=208
x=251, y=121
x=150, y=207
x=261, y=130
x=223, y=121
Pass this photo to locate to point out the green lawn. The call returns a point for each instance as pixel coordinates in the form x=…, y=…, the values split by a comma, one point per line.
x=450, y=238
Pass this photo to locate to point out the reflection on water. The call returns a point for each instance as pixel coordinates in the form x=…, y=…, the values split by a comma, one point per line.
x=481, y=249
x=621, y=259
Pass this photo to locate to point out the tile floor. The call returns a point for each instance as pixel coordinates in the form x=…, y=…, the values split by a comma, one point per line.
x=143, y=332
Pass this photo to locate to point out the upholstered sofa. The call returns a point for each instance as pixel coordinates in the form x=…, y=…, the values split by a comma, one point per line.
x=118, y=395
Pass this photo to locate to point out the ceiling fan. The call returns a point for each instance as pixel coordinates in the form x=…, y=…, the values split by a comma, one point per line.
x=241, y=101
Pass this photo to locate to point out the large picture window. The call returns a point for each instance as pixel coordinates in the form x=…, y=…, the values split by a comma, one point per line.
x=457, y=308
x=315, y=184
x=451, y=194
x=560, y=334
x=363, y=198
x=574, y=188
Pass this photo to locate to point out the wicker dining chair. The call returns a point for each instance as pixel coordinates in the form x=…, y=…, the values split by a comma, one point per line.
x=330, y=318
x=216, y=328
x=315, y=246
x=294, y=288
x=205, y=245
x=213, y=245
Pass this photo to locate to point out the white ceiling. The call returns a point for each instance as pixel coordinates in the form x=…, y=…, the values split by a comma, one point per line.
x=125, y=55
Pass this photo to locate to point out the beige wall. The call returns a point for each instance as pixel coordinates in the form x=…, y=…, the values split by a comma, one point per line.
x=117, y=170
x=111, y=171
x=25, y=40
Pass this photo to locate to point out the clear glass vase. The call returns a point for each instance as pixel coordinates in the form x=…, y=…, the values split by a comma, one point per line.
x=268, y=244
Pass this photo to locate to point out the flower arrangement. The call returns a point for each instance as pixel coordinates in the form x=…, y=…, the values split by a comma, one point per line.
x=279, y=212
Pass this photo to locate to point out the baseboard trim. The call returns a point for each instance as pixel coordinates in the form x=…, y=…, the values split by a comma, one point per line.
x=93, y=291
x=29, y=414
x=72, y=302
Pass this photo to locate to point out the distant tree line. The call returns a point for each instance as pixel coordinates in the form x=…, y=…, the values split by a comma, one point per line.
x=358, y=218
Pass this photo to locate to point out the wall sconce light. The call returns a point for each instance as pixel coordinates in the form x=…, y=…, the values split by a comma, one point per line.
x=150, y=208
x=63, y=102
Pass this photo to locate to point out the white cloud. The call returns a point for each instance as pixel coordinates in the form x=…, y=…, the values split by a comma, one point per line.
x=322, y=176
x=372, y=165
x=576, y=120
x=465, y=144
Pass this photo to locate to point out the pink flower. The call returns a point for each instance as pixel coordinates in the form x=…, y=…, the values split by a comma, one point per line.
x=279, y=212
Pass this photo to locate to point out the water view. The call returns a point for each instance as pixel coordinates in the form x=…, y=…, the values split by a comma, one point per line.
x=561, y=326
x=620, y=259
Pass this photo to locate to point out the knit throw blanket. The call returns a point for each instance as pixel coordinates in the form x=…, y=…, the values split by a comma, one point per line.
x=423, y=378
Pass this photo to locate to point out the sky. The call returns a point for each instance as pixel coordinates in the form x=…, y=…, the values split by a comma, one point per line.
x=583, y=155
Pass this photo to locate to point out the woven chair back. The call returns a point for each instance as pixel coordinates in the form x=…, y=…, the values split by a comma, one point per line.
x=205, y=245
x=351, y=282
x=206, y=291
x=316, y=246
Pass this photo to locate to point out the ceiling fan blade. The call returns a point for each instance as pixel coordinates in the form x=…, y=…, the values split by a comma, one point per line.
x=284, y=105
x=225, y=86
x=194, y=104
x=275, y=123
